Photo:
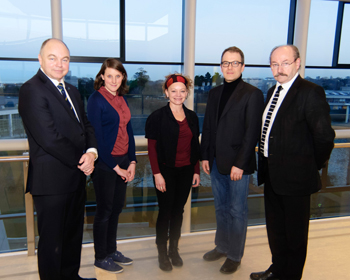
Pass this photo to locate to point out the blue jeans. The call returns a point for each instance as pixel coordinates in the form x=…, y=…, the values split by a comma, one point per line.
x=231, y=209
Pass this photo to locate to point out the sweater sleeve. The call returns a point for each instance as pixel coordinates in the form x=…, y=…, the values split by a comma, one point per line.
x=95, y=111
x=152, y=154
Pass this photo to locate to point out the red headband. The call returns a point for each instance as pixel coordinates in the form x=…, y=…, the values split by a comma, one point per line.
x=175, y=78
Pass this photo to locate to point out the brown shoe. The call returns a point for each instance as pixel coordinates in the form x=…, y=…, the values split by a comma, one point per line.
x=213, y=255
x=229, y=266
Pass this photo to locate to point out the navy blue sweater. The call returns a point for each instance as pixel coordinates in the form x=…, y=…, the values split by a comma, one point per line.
x=105, y=120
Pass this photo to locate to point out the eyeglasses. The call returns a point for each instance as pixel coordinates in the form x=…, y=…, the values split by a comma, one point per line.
x=233, y=63
x=283, y=64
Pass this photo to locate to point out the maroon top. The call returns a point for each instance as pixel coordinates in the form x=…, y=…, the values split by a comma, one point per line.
x=183, y=150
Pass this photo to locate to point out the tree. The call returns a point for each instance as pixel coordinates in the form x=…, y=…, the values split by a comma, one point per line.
x=140, y=80
x=208, y=80
x=217, y=79
x=197, y=81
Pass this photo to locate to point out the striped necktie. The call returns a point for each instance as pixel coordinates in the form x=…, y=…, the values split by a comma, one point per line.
x=268, y=118
x=64, y=94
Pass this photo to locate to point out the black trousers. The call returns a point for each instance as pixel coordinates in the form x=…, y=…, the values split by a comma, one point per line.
x=60, y=225
x=171, y=203
x=287, y=223
x=110, y=191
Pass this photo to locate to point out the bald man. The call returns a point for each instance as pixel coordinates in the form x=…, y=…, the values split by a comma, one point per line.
x=62, y=149
x=296, y=141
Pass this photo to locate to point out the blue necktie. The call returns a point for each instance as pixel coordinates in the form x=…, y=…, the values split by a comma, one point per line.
x=63, y=92
x=268, y=118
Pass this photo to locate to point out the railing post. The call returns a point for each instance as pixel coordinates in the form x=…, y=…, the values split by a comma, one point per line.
x=29, y=207
x=10, y=126
x=324, y=176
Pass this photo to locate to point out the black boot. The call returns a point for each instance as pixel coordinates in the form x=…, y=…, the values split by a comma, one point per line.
x=164, y=262
x=174, y=253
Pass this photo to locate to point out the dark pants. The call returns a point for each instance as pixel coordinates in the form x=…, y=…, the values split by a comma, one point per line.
x=60, y=226
x=287, y=223
x=110, y=190
x=178, y=182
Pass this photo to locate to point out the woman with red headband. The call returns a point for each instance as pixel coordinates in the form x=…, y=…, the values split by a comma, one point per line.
x=173, y=148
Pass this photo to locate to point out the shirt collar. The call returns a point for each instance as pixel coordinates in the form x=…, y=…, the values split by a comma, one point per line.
x=106, y=93
x=286, y=86
x=55, y=82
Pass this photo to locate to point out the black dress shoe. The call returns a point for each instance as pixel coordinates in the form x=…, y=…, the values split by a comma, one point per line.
x=213, y=255
x=264, y=275
x=229, y=266
x=80, y=278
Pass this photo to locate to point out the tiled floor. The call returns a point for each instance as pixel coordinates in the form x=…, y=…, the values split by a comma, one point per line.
x=328, y=257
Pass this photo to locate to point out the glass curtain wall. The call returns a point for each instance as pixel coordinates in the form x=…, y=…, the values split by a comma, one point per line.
x=256, y=38
x=147, y=36
x=23, y=27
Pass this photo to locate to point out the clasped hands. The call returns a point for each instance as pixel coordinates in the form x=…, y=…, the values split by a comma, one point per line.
x=86, y=163
x=126, y=174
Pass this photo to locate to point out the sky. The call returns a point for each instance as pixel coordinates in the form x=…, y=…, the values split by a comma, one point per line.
x=156, y=34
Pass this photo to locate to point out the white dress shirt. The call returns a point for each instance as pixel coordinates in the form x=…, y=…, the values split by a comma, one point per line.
x=281, y=97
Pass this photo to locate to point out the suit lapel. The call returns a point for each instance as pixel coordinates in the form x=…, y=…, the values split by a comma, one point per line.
x=53, y=90
x=73, y=98
x=288, y=99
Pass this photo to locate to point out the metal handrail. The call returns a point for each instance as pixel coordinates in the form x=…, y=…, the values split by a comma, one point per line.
x=22, y=145
x=140, y=140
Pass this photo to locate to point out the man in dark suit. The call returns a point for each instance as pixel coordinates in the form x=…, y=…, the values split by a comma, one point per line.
x=296, y=141
x=230, y=133
x=62, y=152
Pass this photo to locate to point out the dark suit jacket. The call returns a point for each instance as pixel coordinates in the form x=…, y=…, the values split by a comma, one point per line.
x=300, y=141
x=56, y=139
x=232, y=138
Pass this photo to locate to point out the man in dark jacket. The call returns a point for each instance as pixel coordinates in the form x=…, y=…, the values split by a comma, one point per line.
x=230, y=133
x=62, y=149
x=296, y=141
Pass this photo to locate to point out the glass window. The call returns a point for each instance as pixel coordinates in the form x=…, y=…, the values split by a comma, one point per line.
x=153, y=30
x=254, y=26
x=13, y=227
x=336, y=78
x=23, y=27
x=344, y=54
x=320, y=43
x=145, y=87
x=336, y=84
x=91, y=28
x=12, y=75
